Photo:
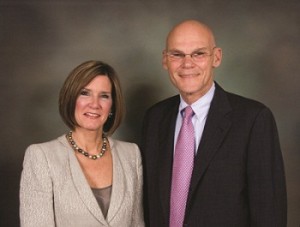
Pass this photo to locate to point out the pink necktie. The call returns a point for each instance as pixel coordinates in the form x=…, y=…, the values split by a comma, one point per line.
x=182, y=169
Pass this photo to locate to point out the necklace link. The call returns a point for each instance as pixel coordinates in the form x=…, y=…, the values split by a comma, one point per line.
x=85, y=153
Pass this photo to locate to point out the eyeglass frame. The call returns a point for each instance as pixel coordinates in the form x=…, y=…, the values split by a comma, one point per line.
x=181, y=55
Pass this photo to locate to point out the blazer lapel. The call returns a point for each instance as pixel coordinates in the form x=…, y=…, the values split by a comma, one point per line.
x=166, y=145
x=118, y=187
x=216, y=127
x=83, y=187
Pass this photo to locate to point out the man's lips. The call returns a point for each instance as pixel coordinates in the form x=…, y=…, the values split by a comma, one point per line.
x=188, y=75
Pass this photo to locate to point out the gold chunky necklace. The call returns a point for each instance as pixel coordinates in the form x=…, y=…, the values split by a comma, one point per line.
x=85, y=153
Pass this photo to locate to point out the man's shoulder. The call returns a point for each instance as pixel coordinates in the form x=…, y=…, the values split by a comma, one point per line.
x=245, y=102
x=236, y=100
x=165, y=104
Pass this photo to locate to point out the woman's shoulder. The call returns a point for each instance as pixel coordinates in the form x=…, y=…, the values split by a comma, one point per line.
x=60, y=141
x=49, y=147
x=124, y=147
x=126, y=153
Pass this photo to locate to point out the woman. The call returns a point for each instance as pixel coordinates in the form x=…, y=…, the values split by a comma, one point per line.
x=84, y=178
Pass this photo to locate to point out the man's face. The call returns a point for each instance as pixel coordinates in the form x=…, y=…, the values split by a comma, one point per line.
x=191, y=74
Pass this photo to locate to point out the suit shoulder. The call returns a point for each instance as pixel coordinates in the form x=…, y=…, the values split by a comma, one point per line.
x=248, y=108
x=124, y=146
x=48, y=144
x=164, y=105
x=128, y=153
x=238, y=101
x=237, y=105
x=234, y=100
x=52, y=148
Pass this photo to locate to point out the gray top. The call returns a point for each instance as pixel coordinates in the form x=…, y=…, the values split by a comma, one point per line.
x=103, y=198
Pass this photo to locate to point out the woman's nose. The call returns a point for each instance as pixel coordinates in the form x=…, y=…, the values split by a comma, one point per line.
x=95, y=102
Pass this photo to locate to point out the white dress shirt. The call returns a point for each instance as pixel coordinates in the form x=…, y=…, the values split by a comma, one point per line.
x=200, y=108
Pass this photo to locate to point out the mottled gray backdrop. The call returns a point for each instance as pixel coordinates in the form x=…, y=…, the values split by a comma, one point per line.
x=41, y=41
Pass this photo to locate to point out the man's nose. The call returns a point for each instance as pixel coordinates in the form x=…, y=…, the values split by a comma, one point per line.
x=187, y=61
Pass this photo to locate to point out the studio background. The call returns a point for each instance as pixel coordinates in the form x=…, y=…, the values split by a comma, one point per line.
x=42, y=41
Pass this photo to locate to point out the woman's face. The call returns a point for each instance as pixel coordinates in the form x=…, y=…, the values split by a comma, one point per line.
x=94, y=104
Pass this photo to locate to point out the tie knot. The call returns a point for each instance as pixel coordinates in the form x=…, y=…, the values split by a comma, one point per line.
x=188, y=112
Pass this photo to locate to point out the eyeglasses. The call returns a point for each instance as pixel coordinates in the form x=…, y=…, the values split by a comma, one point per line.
x=197, y=56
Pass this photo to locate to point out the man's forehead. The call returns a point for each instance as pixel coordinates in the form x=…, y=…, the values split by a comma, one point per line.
x=190, y=34
x=189, y=37
x=191, y=43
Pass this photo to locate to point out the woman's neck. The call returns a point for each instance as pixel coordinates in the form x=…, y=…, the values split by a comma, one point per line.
x=88, y=140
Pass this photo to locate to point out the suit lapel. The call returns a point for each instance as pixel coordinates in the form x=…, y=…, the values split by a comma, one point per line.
x=118, y=188
x=166, y=155
x=215, y=130
x=83, y=188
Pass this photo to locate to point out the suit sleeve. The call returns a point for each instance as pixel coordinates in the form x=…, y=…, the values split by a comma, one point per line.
x=36, y=197
x=143, y=146
x=138, y=218
x=266, y=178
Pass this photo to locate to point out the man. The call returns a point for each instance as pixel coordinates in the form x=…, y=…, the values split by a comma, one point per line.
x=236, y=174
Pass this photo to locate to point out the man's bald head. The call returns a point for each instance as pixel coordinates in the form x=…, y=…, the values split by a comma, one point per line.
x=191, y=28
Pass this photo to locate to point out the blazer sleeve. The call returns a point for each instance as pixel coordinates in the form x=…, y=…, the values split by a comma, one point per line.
x=266, y=178
x=36, y=196
x=138, y=216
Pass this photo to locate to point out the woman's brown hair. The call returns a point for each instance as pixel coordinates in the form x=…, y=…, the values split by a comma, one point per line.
x=81, y=76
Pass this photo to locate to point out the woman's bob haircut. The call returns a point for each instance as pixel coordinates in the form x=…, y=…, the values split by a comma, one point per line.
x=80, y=77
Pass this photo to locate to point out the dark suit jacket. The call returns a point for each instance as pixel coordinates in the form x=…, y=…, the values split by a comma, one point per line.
x=238, y=178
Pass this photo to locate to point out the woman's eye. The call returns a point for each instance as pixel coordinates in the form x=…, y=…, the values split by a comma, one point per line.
x=105, y=96
x=83, y=92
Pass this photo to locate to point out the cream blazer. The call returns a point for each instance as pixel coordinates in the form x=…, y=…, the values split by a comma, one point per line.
x=55, y=192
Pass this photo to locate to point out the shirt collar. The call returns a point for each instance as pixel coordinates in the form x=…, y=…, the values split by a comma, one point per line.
x=202, y=104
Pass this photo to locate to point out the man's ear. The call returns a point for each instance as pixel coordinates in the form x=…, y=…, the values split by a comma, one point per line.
x=217, y=57
x=164, y=60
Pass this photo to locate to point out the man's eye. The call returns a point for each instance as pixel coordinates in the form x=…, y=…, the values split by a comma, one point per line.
x=179, y=55
x=198, y=54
